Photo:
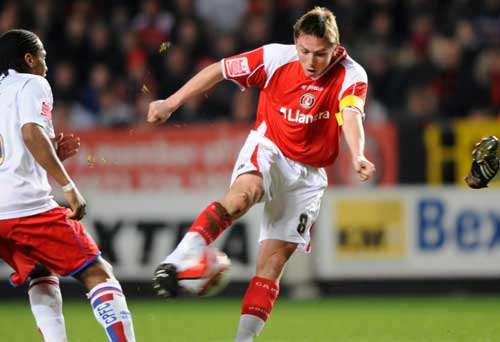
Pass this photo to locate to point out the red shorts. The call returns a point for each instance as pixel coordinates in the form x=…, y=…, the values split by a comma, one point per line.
x=51, y=239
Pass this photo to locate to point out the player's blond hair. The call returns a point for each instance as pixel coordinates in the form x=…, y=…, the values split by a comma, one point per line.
x=319, y=22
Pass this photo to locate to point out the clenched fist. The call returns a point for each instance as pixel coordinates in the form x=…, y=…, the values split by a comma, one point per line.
x=363, y=167
x=160, y=111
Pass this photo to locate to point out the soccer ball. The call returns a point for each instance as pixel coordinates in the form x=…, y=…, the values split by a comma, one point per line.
x=208, y=276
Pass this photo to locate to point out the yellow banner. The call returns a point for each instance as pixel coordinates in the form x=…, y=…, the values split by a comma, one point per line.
x=368, y=229
x=466, y=133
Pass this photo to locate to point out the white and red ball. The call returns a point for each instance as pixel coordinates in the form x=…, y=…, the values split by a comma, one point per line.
x=208, y=276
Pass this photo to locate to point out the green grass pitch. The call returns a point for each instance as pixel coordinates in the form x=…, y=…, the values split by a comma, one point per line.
x=356, y=319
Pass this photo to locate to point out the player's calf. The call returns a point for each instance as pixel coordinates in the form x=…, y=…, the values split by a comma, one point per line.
x=263, y=289
x=257, y=305
x=46, y=305
x=110, y=310
x=108, y=301
x=211, y=222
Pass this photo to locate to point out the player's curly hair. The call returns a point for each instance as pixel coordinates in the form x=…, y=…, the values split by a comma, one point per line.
x=319, y=22
x=14, y=45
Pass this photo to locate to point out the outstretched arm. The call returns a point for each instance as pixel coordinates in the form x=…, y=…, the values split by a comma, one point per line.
x=161, y=110
x=355, y=137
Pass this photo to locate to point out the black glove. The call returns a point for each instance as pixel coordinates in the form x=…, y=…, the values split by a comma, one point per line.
x=485, y=163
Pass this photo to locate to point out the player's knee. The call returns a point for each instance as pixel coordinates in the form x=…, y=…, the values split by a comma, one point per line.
x=256, y=192
x=107, y=268
x=97, y=273
x=243, y=196
x=243, y=200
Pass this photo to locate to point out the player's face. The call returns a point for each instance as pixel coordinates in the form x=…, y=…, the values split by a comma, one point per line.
x=37, y=61
x=315, y=54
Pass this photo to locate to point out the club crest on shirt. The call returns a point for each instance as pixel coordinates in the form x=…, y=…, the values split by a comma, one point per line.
x=237, y=67
x=46, y=110
x=307, y=100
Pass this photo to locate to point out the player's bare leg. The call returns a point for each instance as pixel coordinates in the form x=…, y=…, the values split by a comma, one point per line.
x=247, y=190
x=46, y=304
x=107, y=301
x=263, y=288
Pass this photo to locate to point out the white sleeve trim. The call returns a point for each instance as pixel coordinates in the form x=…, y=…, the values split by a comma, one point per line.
x=354, y=73
x=277, y=55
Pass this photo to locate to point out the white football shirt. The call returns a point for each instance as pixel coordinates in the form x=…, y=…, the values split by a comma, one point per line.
x=24, y=187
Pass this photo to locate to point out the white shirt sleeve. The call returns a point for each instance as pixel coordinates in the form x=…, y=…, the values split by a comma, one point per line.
x=35, y=103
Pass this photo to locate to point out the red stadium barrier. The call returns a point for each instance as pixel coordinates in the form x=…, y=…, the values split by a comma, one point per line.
x=194, y=157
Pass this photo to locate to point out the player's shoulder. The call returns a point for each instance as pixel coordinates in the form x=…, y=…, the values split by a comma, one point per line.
x=35, y=81
x=354, y=70
x=280, y=52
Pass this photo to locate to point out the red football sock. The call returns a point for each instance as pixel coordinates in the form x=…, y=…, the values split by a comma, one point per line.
x=260, y=297
x=211, y=222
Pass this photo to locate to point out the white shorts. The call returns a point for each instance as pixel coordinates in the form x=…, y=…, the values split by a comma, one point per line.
x=293, y=191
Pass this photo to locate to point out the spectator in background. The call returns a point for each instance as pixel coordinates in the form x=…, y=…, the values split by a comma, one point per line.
x=153, y=25
x=114, y=112
x=176, y=70
x=487, y=76
x=119, y=20
x=102, y=49
x=65, y=88
x=188, y=35
x=422, y=30
x=466, y=36
x=487, y=21
x=243, y=106
x=450, y=82
x=72, y=44
x=183, y=9
x=221, y=16
x=421, y=105
x=9, y=16
x=255, y=32
x=217, y=99
x=396, y=40
x=42, y=15
x=100, y=78
x=378, y=111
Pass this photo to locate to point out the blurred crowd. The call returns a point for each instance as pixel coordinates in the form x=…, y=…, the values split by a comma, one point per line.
x=427, y=60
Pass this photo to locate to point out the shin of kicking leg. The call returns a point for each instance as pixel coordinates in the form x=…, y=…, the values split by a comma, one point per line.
x=211, y=222
x=46, y=305
x=214, y=219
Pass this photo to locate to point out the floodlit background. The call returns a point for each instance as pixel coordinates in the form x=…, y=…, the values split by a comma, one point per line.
x=415, y=230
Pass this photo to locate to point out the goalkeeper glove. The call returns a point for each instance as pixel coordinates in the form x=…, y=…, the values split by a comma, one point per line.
x=485, y=163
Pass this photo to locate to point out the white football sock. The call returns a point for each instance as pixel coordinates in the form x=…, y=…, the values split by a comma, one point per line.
x=111, y=311
x=189, y=248
x=250, y=327
x=46, y=304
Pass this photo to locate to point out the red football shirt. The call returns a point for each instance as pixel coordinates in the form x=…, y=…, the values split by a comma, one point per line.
x=301, y=115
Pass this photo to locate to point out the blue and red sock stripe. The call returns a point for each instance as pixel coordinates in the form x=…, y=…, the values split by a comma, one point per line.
x=116, y=332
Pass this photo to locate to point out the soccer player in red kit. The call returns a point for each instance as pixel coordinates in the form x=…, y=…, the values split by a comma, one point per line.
x=39, y=239
x=310, y=92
